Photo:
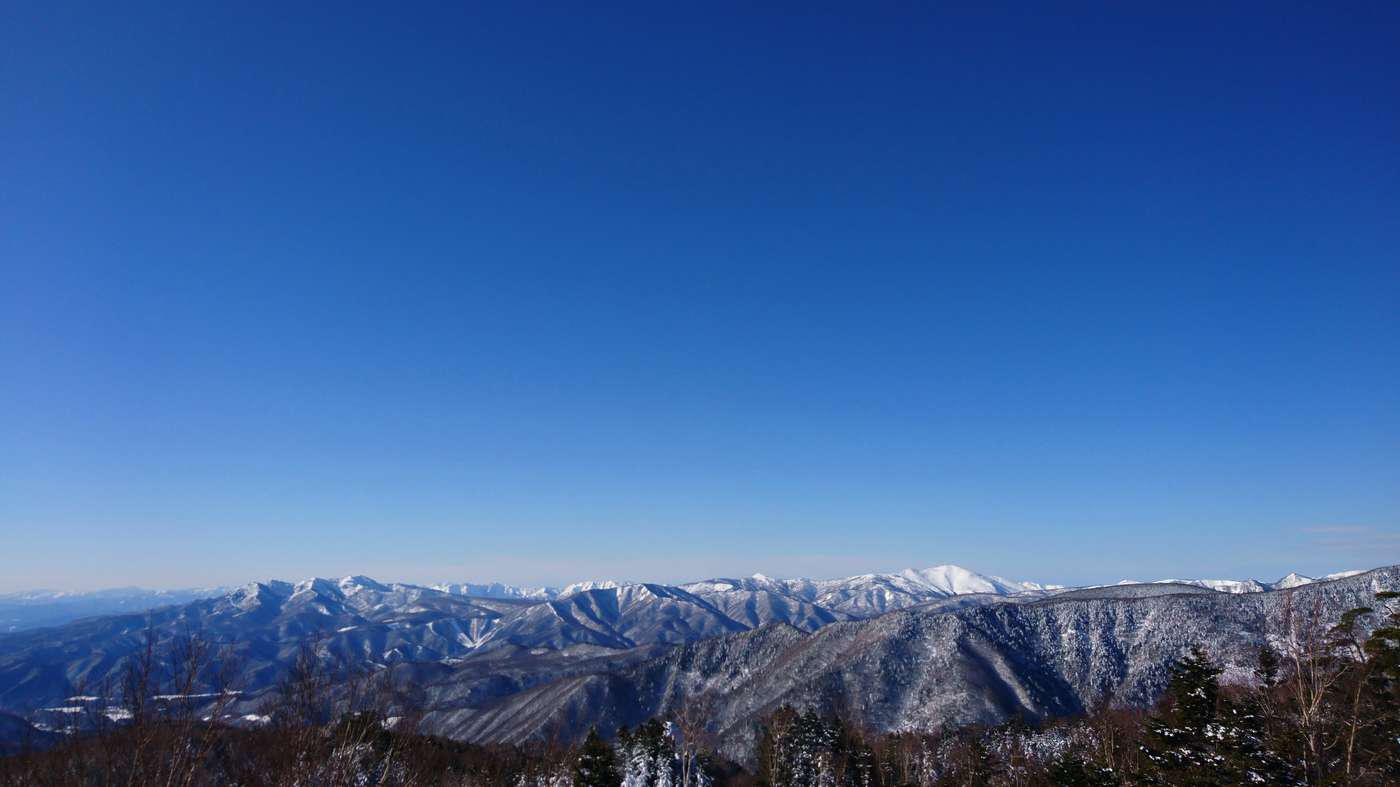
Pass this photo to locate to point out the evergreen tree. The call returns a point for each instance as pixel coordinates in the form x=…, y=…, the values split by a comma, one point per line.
x=801, y=750
x=648, y=757
x=812, y=761
x=596, y=766
x=1380, y=744
x=1267, y=669
x=1201, y=740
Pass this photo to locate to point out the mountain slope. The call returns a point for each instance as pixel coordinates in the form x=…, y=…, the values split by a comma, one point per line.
x=355, y=621
x=477, y=651
x=866, y=595
x=918, y=669
x=360, y=624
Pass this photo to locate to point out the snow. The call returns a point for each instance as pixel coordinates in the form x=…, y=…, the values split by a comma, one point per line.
x=211, y=695
x=497, y=590
x=1292, y=580
x=591, y=584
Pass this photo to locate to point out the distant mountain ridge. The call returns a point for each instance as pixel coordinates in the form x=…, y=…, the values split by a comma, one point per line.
x=1292, y=580
x=30, y=609
x=860, y=595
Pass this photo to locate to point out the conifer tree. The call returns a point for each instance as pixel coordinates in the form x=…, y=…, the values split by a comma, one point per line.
x=1380, y=746
x=596, y=766
x=1267, y=669
x=1201, y=740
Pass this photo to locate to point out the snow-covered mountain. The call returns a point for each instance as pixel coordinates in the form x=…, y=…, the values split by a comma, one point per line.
x=858, y=596
x=370, y=624
x=1292, y=580
x=755, y=599
x=497, y=590
x=502, y=590
x=498, y=667
x=921, y=668
x=864, y=595
x=592, y=584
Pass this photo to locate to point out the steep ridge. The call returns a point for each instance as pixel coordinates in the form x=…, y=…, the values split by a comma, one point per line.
x=616, y=617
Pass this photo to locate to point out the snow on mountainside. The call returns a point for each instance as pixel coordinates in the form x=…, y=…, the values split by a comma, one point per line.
x=592, y=584
x=501, y=590
x=869, y=594
x=497, y=590
x=481, y=650
x=750, y=599
x=371, y=624
x=914, y=669
x=1221, y=585
x=955, y=581
x=807, y=600
x=1293, y=580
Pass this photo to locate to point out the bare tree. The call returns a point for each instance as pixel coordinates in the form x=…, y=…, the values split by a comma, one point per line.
x=692, y=719
x=1313, y=675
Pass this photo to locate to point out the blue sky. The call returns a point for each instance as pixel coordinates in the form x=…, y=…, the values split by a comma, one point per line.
x=537, y=292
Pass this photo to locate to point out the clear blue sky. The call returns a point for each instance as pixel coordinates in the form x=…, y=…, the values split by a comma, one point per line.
x=539, y=292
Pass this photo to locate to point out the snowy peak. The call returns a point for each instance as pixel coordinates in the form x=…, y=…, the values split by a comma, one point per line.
x=1293, y=580
x=355, y=584
x=591, y=584
x=957, y=581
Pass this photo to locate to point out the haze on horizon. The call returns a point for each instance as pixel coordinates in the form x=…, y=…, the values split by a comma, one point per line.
x=539, y=295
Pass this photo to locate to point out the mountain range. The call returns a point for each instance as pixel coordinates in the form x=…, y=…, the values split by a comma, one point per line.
x=901, y=650
x=861, y=594
x=922, y=668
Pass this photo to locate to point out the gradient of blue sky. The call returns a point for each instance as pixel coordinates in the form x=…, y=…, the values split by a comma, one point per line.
x=536, y=292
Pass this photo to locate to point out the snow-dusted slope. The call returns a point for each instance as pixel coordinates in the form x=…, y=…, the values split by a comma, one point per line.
x=1292, y=580
x=362, y=624
x=618, y=617
x=1221, y=585
x=502, y=590
x=920, y=669
x=497, y=590
x=591, y=584
x=865, y=595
